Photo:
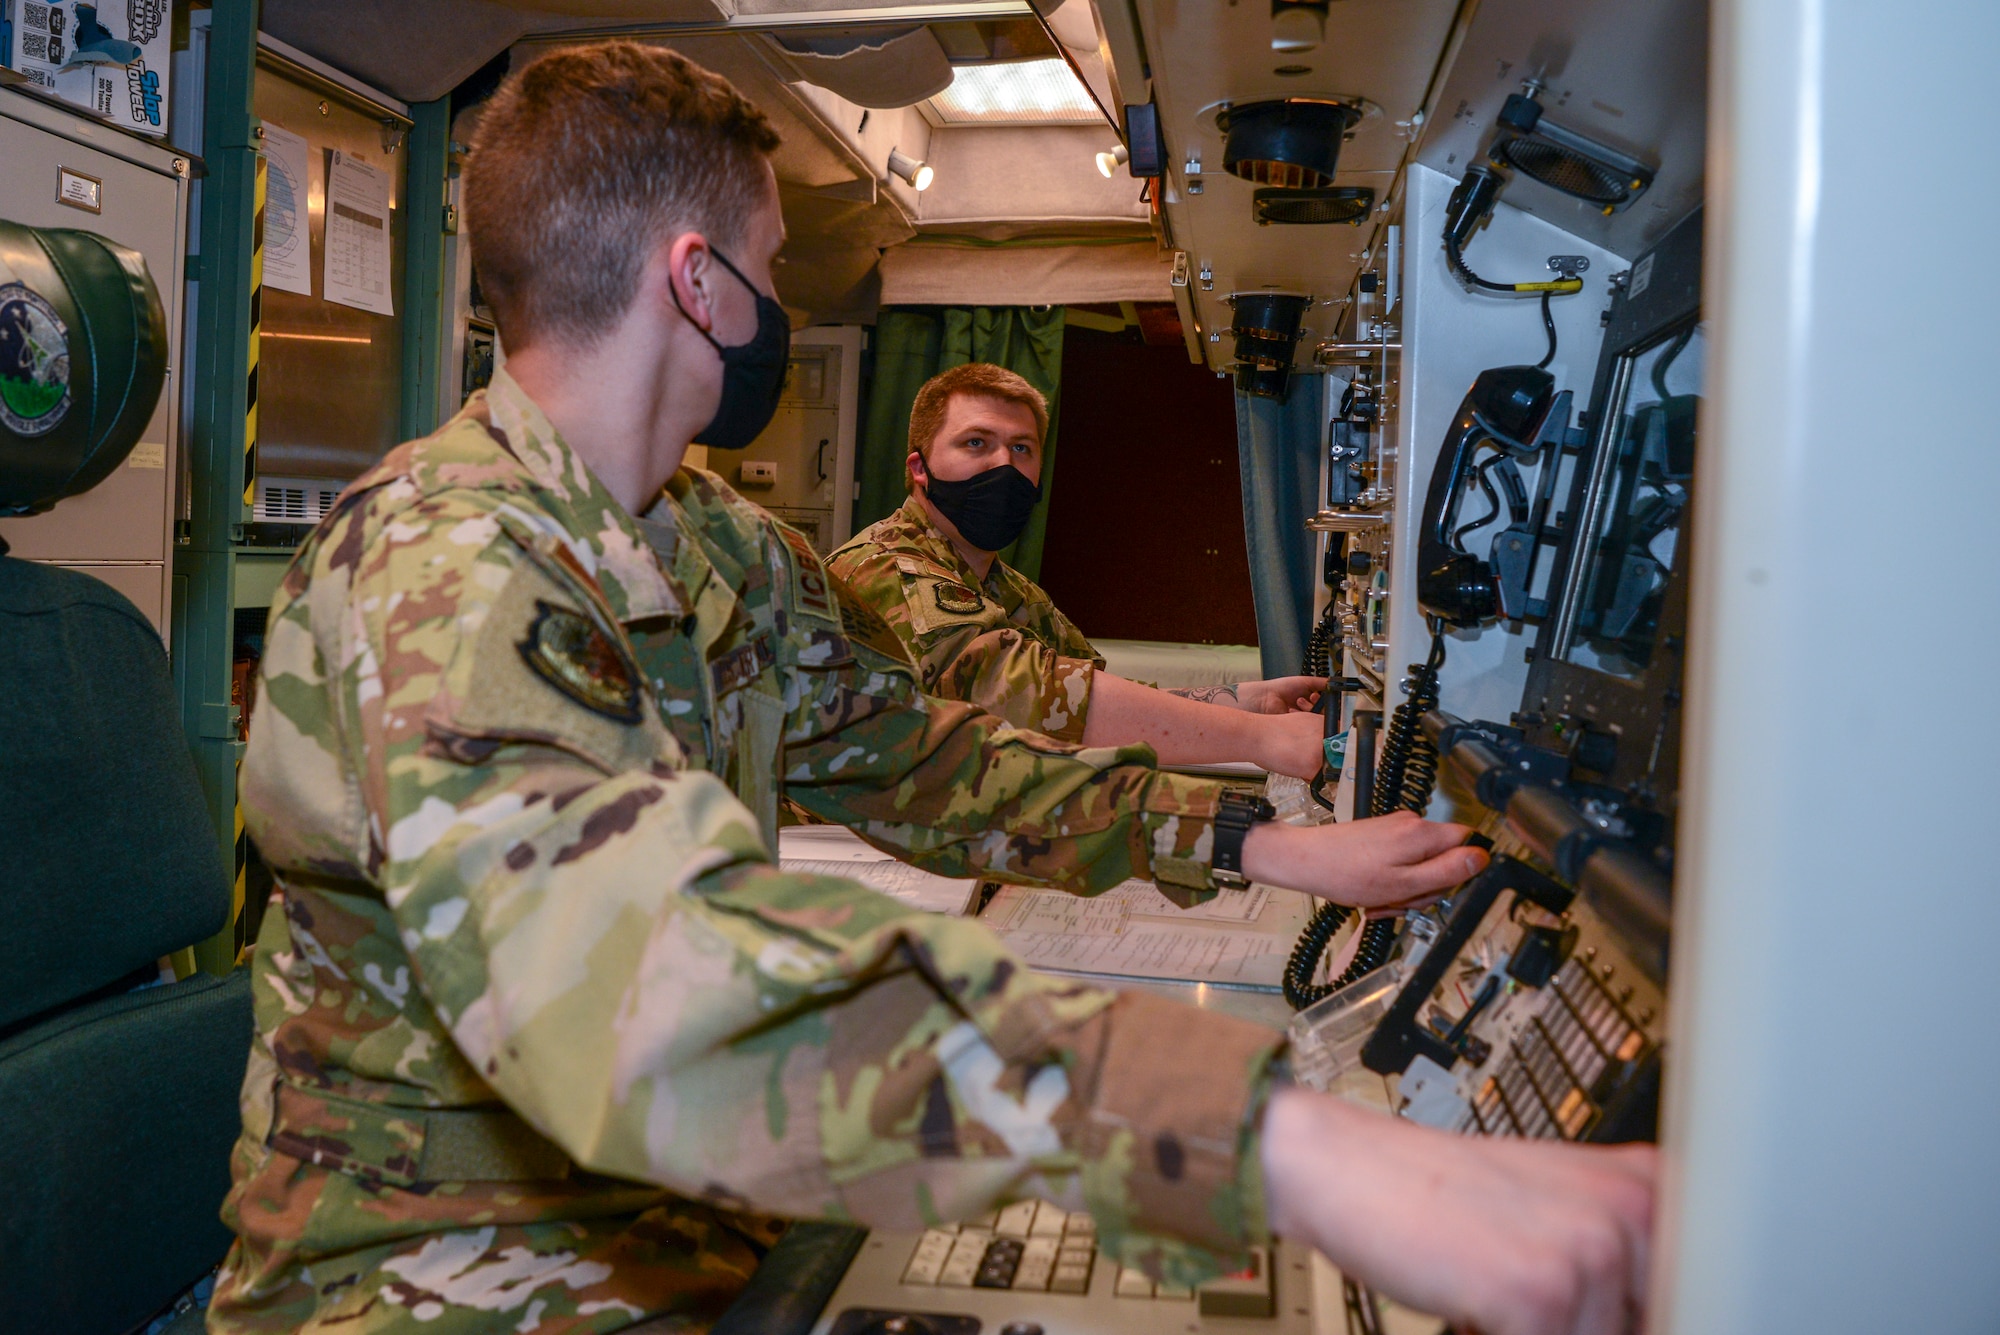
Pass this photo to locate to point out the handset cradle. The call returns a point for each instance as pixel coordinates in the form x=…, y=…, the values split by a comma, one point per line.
x=1507, y=406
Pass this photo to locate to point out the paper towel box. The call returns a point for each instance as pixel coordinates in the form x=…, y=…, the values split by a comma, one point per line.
x=109, y=58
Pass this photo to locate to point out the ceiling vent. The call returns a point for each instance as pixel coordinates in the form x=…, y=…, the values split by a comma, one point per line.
x=1266, y=329
x=1563, y=159
x=1338, y=204
x=1292, y=144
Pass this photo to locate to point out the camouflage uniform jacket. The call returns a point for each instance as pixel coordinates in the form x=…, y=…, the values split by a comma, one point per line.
x=539, y=1022
x=998, y=642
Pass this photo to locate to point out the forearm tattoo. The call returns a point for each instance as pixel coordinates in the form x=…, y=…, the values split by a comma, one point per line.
x=1208, y=695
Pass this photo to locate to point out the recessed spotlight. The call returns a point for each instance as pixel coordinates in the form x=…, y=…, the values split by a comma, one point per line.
x=918, y=174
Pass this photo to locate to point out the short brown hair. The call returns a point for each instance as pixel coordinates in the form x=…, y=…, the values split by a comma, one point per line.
x=983, y=379
x=584, y=162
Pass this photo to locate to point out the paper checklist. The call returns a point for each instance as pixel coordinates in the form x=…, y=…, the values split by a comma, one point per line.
x=834, y=850
x=357, y=235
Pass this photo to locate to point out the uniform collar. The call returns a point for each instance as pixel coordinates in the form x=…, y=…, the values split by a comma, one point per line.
x=1002, y=581
x=600, y=533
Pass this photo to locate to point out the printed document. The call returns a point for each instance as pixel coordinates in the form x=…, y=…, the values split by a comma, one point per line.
x=1133, y=931
x=357, y=235
x=834, y=850
x=287, y=229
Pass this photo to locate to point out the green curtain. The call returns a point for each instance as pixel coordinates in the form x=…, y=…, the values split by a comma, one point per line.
x=912, y=344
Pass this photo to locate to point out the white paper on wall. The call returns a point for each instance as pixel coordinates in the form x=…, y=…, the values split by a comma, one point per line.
x=287, y=225
x=357, y=235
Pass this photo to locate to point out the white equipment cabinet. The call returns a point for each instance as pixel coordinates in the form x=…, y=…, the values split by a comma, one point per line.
x=801, y=468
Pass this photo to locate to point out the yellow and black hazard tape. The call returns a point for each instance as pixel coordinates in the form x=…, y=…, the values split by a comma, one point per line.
x=250, y=374
x=239, y=895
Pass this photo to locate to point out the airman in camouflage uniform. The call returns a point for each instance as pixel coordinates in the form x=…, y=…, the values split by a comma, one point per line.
x=998, y=642
x=981, y=631
x=543, y=1037
x=538, y=1021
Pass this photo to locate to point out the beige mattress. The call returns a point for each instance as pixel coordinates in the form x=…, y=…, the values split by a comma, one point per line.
x=1164, y=664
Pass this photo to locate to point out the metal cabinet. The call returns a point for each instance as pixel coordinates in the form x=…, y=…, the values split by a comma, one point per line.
x=801, y=468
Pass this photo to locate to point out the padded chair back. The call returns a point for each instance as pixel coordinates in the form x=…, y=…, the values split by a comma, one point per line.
x=117, y=1107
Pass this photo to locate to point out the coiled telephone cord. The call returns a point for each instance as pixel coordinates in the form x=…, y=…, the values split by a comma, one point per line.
x=1404, y=779
x=1378, y=938
x=1319, y=645
x=1407, y=771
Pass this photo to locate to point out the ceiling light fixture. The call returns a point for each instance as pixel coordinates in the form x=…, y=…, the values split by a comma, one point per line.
x=1020, y=92
x=1109, y=161
x=918, y=174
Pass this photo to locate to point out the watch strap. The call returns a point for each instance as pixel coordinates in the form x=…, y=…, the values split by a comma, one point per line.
x=1235, y=813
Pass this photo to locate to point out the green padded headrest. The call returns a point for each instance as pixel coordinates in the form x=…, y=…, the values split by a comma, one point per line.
x=83, y=353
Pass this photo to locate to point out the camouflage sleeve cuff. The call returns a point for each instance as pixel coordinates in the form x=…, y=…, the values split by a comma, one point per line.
x=1067, y=694
x=1173, y=1172
x=1181, y=825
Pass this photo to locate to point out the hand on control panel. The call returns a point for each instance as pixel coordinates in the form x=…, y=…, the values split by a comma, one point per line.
x=1279, y=695
x=1383, y=862
x=1293, y=742
x=1501, y=1235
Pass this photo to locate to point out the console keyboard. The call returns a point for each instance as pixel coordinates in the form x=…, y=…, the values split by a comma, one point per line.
x=1034, y=1247
x=1029, y=1245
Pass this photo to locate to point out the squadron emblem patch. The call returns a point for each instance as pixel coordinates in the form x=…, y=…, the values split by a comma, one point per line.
x=34, y=362
x=956, y=598
x=568, y=651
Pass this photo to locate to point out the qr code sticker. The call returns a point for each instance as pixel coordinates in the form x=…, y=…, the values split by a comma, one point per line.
x=42, y=77
x=35, y=16
x=35, y=46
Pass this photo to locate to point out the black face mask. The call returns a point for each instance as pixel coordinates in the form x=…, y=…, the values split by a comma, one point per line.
x=989, y=509
x=753, y=373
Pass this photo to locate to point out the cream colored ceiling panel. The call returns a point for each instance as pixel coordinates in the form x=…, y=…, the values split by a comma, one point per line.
x=1036, y=174
x=1204, y=57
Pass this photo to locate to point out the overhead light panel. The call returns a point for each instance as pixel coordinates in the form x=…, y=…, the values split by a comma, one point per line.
x=1110, y=160
x=917, y=174
x=1019, y=92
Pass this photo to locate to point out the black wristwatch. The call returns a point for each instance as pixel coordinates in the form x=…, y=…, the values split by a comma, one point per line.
x=1234, y=816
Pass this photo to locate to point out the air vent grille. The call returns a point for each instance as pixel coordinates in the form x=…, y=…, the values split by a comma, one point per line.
x=1341, y=204
x=294, y=500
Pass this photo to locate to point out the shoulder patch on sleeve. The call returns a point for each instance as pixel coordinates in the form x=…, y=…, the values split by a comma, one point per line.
x=812, y=595
x=567, y=650
x=956, y=598
x=863, y=625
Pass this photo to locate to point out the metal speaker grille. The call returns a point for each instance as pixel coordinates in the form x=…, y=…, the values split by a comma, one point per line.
x=1341, y=204
x=1563, y=169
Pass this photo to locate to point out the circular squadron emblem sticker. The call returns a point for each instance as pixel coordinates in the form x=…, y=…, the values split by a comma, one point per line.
x=34, y=362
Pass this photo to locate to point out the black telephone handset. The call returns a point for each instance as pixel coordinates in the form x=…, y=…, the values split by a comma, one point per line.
x=1507, y=406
